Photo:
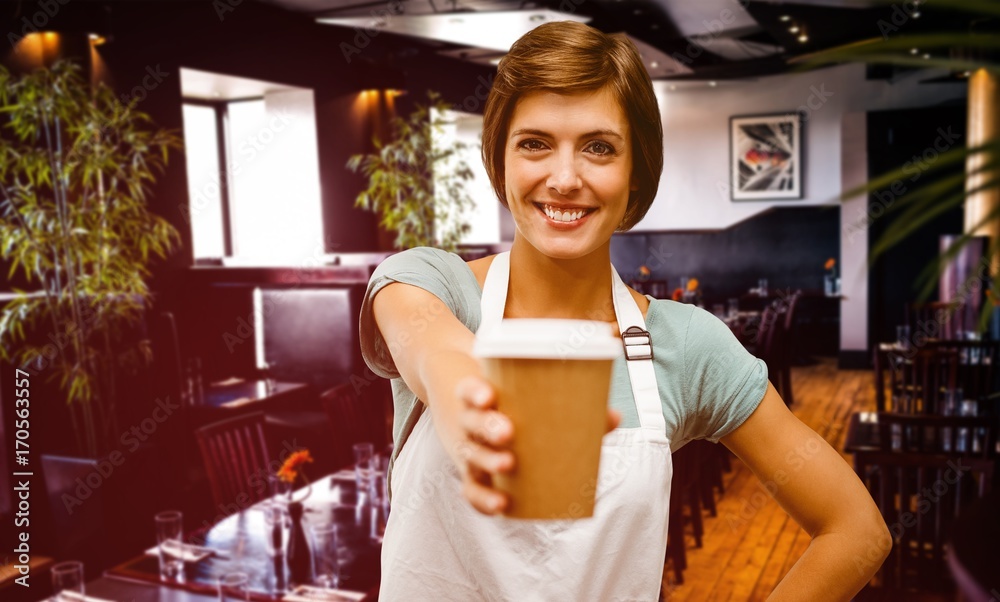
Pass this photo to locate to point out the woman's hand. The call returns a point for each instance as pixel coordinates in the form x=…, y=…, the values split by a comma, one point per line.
x=483, y=449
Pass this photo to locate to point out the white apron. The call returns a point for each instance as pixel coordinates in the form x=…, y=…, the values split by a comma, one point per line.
x=438, y=547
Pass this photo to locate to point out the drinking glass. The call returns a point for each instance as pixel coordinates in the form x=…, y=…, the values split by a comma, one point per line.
x=379, y=506
x=719, y=310
x=170, y=537
x=278, y=526
x=762, y=287
x=903, y=336
x=363, y=469
x=326, y=563
x=733, y=307
x=234, y=587
x=68, y=577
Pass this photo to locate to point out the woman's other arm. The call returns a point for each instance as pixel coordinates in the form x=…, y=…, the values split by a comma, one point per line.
x=818, y=489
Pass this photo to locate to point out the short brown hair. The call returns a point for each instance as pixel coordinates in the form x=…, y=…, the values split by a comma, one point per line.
x=567, y=57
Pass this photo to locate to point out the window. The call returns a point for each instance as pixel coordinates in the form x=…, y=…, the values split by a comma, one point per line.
x=253, y=173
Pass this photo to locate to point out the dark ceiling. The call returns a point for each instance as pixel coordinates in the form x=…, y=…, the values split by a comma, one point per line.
x=713, y=39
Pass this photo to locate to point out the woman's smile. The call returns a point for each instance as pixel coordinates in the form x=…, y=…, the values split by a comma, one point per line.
x=568, y=174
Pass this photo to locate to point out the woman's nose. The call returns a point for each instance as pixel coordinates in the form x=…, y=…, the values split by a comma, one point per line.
x=564, y=178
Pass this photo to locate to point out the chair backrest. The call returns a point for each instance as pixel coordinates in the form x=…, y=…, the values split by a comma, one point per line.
x=939, y=319
x=965, y=435
x=352, y=420
x=308, y=335
x=919, y=495
x=237, y=461
x=918, y=378
x=976, y=371
x=766, y=341
x=792, y=305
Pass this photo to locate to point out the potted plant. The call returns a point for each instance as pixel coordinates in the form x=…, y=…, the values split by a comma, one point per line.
x=976, y=48
x=75, y=169
x=415, y=183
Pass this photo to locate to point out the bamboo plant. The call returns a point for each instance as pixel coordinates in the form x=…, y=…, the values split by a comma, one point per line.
x=415, y=184
x=968, y=51
x=76, y=165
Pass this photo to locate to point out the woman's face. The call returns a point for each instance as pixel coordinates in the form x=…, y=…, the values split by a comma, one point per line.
x=568, y=166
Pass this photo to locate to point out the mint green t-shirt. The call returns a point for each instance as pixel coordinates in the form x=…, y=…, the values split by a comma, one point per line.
x=708, y=383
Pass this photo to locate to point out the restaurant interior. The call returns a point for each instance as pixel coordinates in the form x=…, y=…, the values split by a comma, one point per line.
x=181, y=366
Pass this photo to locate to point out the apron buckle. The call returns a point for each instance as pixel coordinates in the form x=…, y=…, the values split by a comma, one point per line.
x=638, y=344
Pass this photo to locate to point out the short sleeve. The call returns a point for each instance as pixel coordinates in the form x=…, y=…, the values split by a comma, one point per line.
x=723, y=382
x=438, y=272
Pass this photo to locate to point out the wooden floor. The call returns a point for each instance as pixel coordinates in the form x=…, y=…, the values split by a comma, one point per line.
x=751, y=543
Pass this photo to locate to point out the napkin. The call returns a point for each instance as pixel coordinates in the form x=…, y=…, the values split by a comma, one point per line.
x=189, y=552
x=307, y=593
x=242, y=401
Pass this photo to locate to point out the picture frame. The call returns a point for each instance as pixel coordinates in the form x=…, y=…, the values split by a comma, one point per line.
x=766, y=157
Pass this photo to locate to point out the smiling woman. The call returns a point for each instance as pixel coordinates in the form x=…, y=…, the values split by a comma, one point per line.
x=573, y=147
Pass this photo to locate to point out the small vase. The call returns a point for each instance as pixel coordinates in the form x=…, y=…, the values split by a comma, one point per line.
x=299, y=554
x=830, y=285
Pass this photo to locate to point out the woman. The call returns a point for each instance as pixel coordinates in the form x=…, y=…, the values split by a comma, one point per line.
x=572, y=142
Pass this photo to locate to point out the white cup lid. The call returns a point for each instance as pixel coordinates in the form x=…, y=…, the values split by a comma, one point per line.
x=549, y=339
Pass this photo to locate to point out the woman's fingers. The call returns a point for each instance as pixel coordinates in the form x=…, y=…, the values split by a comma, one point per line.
x=480, y=458
x=476, y=392
x=483, y=497
x=614, y=418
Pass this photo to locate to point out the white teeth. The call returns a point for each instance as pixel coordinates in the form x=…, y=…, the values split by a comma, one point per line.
x=560, y=216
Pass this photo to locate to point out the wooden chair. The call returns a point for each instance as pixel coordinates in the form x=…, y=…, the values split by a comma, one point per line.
x=919, y=495
x=939, y=319
x=236, y=458
x=918, y=378
x=772, y=347
x=976, y=370
x=933, y=434
x=353, y=420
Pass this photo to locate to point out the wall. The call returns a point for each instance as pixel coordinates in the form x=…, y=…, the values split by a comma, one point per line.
x=694, y=189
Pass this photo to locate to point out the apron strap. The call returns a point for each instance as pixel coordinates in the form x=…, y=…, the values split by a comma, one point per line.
x=640, y=369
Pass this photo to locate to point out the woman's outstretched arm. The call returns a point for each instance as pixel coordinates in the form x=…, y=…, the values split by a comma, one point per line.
x=818, y=489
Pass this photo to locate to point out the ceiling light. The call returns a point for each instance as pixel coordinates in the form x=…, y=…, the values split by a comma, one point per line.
x=927, y=55
x=803, y=38
x=967, y=74
x=915, y=14
x=654, y=64
x=673, y=87
x=784, y=18
x=914, y=50
x=713, y=84
x=794, y=29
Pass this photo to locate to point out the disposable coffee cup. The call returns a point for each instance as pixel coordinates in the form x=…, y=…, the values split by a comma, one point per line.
x=552, y=379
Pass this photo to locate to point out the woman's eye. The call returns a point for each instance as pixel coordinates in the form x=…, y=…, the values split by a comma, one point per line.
x=532, y=145
x=601, y=148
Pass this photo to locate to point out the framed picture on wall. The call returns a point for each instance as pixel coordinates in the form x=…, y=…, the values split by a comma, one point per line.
x=765, y=157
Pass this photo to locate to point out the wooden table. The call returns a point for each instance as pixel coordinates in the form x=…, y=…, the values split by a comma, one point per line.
x=240, y=538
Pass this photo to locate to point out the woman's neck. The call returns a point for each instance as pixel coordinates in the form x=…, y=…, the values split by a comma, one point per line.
x=542, y=287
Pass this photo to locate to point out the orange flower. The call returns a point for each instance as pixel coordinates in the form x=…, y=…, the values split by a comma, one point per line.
x=830, y=263
x=693, y=284
x=289, y=471
x=644, y=271
x=678, y=294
